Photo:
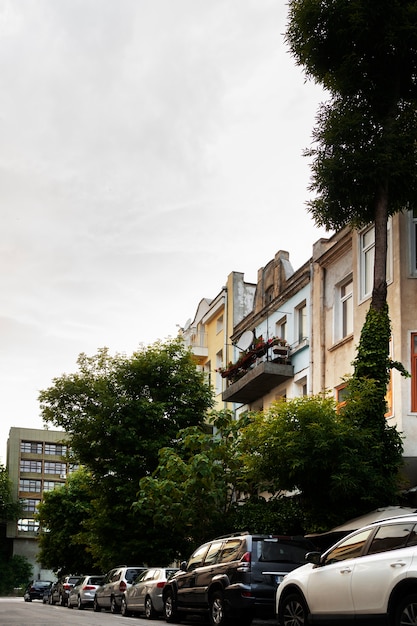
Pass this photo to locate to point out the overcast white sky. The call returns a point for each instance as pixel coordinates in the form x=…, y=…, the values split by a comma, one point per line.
x=148, y=148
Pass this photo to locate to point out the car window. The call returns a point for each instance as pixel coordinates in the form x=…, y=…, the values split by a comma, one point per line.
x=280, y=550
x=95, y=580
x=170, y=572
x=213, y=553
x=132, y=574
x=390, y=537
x=196, y=558
x=140, y=576
x=233, y=550
x=350, y=548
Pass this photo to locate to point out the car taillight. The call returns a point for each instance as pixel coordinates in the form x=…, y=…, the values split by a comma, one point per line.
x=245, y=562
x=160, y=585
x=67, y=587
x=122, y=586
x=88, y=587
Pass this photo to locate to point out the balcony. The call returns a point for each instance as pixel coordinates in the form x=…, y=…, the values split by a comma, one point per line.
x=257, y=371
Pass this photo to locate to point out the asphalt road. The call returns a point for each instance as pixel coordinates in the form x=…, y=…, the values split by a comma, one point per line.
x=17, y=612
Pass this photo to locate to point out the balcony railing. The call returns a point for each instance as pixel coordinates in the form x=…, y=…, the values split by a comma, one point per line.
x=257, y=371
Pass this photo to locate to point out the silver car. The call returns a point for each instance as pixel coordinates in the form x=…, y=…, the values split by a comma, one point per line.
x=82, y=594
x=145, y=595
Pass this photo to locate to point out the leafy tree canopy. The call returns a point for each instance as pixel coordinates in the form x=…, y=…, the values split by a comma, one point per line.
x=190, y=494
x=118, y=412
x=62, y=514
x=329, y=457
x=9, y=508
x=364, y=52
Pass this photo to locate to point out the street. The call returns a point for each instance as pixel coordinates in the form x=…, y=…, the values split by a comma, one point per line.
x=17, y=612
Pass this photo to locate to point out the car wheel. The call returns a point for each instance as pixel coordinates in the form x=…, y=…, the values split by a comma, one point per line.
x=293, y=611
x=96, y=606
x=170, y=608
x=150, y=612
x=80, y=605
x=217, y=614
x=406, y=614
x=113, y=606
x=28, y=599
x=123, y=608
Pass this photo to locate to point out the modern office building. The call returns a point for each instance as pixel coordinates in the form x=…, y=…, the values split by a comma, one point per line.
x=36, y=464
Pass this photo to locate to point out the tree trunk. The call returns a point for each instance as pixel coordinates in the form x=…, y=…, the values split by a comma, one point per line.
x=379, y=292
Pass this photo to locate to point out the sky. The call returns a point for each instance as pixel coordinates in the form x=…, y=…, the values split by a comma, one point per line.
x=148, y=148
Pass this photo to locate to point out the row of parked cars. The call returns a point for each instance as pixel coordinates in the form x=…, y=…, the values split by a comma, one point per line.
x=369, y=576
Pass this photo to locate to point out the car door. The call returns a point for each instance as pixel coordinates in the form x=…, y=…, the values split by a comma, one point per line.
x=386, y=563
x=329, y=585
x=186, y=590
x=205, y=574
x=143, y=587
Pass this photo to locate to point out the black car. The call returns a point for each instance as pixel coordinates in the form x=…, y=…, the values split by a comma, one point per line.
x=233, y=578
x=36, y=589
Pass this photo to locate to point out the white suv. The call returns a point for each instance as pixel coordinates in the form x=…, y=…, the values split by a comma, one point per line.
x=370, y=576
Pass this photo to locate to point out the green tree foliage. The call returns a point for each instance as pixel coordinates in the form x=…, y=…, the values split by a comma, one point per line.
x=329, y=458
x=62, y=514
x=189, y=497
x=15, y=573
x=9, y=508
x=364, y=52
x=118, y=413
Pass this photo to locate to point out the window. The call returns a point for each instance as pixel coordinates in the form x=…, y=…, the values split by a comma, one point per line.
x=281, y=328
x=232, y=550
x=197, y=558
x=219, y=324
x=301, y=319
x=55, y=468
x=30, y=504
x=31, y=447
x=346, y=308
x=56, y=449
x=367, y=257
x=213, y=553
x=49, y=485
x=414, y=372
x=349, y=549
x=269, y=295
x=341, y=392
x=28, y=525
x=413, y=242
x=390, y=537
x=34, y=486
x=31, y=466
x=219, y=380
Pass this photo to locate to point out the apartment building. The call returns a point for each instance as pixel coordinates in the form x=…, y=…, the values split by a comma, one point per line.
x=341, y=294
x=35, y=463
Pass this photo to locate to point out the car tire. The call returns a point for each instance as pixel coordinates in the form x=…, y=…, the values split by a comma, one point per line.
x=96, y=606
x=293, y=611
x=150, y=612
x=113, y=606
x=217, y=612
x=170, y=608
x=406, y=613
x=123, y=608
x=80, y=605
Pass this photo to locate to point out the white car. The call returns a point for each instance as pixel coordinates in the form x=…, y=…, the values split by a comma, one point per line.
x=370, y=576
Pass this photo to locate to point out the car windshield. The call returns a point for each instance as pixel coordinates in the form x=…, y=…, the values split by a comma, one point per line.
x=276, y=550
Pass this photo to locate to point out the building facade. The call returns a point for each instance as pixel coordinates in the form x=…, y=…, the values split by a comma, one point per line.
x=36, y=464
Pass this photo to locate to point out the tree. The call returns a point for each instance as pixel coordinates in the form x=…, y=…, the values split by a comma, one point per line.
x=329, y=458
x=61, y=516
x=364, y=53
x=189, y=498
x=118, y=412
x=9, y=508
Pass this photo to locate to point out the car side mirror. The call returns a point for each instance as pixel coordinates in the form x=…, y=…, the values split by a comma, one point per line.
x=183, y=566
x=313, y=557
